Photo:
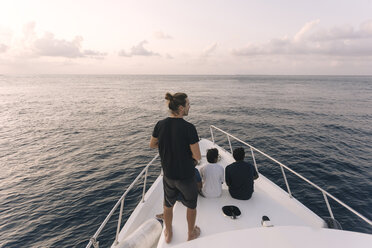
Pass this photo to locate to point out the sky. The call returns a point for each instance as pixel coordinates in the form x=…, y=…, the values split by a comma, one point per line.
x=269, y=37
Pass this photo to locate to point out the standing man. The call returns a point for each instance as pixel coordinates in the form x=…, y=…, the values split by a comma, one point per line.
x=177, y=141
x=239, y=176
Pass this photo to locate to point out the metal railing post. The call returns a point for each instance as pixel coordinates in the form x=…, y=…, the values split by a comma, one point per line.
x=328, y=206
x=228, y=138
x=94, y=242
x=119, y=221
x=254, y=160
x=144, y=186
x=286, y=182
x=212, y=134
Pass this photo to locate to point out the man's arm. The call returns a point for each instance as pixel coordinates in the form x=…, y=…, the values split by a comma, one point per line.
x=255, y=174
x=227, y=177
x=195, y=150
x=202, y=172
x=154, y=142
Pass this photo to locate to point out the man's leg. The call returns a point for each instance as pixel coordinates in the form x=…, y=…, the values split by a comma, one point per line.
x=189, y=191
x=194, y=231
x=170, y=196
x=168, y=217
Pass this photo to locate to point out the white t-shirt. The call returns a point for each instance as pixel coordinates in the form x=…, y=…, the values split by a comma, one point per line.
x=212, y=175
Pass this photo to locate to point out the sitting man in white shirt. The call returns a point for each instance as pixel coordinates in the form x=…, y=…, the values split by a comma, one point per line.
x=212, y=175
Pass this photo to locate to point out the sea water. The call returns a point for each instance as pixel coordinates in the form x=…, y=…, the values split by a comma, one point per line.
x=71, y=144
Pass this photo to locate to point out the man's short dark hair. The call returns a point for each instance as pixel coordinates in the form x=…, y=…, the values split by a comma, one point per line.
x=239, y=154
x=212, y=155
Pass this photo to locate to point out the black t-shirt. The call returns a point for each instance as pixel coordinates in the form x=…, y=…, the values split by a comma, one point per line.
x=239, y=177
x=175, y=136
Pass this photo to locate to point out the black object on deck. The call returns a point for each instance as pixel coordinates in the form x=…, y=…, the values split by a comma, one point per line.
x=231, y=211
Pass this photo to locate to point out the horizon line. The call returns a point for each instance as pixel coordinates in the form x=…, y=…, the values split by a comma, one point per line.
x=158, y=74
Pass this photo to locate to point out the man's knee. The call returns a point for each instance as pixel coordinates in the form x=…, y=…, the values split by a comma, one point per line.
x=168, y=208
x=168, y=203
x=190, y=204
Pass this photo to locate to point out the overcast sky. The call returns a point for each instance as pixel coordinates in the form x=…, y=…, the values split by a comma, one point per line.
x=186, y=37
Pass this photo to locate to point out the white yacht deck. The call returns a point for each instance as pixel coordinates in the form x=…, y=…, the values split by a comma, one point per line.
x=283, y=237
x=268, y=199
x=294, y=224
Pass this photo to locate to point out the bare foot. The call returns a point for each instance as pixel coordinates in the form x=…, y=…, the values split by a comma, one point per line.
x=195, y=233
x=159, y=216
x=168, y=236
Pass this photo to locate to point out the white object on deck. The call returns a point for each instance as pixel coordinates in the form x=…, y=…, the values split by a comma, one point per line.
x=144, y=236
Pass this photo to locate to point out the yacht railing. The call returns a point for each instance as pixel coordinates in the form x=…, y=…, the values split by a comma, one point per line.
x=282, y=167
x=93, y=240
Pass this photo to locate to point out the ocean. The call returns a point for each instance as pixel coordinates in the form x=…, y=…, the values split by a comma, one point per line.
x=71, y=144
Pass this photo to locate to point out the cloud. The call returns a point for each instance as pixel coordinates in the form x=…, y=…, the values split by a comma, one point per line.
x=49, y=46
x=209, y=50
x=31, y=45
x=312, y=39
x=94, y=54
x=123, y=53
x=366, y=28
x=3, y=48
x=168, y=56
x=138, y=50
x=305, y=29
x=346, y=32
x=162, y=36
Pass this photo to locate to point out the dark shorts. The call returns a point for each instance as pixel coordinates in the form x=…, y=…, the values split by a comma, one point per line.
x=197, y=176
x=186, y=188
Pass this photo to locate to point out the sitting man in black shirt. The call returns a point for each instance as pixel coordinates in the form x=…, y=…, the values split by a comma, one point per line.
x=239, y=176
x=177, y=141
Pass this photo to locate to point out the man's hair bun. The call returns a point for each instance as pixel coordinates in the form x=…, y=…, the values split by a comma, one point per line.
x=168, y=96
